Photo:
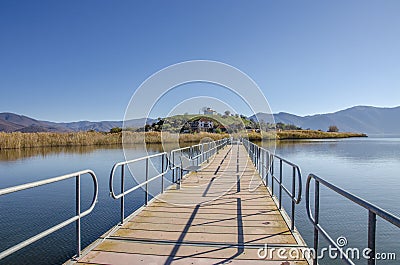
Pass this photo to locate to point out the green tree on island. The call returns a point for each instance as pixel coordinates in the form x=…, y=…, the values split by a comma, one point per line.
x=333, y=128
x=115, y=130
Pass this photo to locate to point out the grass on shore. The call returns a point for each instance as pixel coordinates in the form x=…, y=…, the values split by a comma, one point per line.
x=45, y=139
x=18, y=140
x=301, y=134
x=310, y=134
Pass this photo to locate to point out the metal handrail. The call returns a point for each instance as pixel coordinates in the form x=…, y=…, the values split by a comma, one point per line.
x=297, y=172
x=373, y=211
x=76, y=218
x=263, y=160
x=167, y=164
x=217, y=144
x=212, y=148
x=164, y=170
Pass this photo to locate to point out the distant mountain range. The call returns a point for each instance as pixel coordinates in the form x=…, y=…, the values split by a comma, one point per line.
x=365, y=119
x=10, y=122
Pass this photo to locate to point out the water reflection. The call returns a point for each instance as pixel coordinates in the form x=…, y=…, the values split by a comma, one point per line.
x=19, y=154
x=8, y=155
x=366, y=167
x=358, y=149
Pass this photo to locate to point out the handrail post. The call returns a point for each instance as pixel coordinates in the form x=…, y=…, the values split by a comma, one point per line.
x=262, y=166
x=251, y=152
x=280, y=183
x=122, y=192
x=78, y=213
x=294, y=196
x=162, y=171
x=267, y=168
x=180, y=177
x=371, y=237
x=146, y=198
x=208, y=151
x=272, y=176
x=173, y=166
x=256, y=156
x=265, y=154
x=316, y=216
x=373, y=212
x=76, y=219
x=202, y=152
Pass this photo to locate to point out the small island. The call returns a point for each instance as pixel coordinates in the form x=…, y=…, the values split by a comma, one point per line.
x=191, y=128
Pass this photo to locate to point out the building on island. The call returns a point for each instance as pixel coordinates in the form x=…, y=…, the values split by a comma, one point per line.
x=209, y=111
x=200, y=125
x=205, y=124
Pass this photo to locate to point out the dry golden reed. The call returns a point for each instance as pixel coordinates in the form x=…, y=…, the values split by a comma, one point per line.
x=310, y=134
x=18, y=140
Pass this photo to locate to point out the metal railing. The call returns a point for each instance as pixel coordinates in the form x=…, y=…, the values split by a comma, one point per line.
x=197, y=154
x=373, y=211
x=76, y=218
x=163, y=172
x=264, y=161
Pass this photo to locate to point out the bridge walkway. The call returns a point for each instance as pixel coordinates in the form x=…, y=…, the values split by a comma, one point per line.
x=222, y=214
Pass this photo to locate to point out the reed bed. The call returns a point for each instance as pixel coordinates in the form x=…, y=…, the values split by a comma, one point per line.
x=299, y=134
x=19, y=140
x=28, y=140
x=254, y=136
x=310, y=134
x=13, y=154
x=166, y=137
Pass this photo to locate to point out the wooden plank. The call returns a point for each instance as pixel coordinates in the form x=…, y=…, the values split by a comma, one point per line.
x=117, y=258
x=220, y=252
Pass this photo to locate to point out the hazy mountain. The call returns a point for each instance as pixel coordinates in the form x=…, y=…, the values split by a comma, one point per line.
x=366, y=119
x=102, y=126
x=105, y=126
x=370, y=120
x=137, y=123
x=10, y=122
x=7, y=126
x=15, y=122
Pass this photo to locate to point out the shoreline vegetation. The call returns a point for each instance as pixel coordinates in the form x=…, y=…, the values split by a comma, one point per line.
x=17, y=140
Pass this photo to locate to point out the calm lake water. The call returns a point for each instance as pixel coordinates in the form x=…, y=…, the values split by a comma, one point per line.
x=367, y=167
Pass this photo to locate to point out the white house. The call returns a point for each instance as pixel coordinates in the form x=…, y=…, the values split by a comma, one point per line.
x=205, y=124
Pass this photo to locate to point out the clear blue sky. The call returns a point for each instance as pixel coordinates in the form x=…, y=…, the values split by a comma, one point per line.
x=82, y=60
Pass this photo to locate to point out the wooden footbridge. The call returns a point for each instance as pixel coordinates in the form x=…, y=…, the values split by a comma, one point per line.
x=223, y=206
x=221, y=214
